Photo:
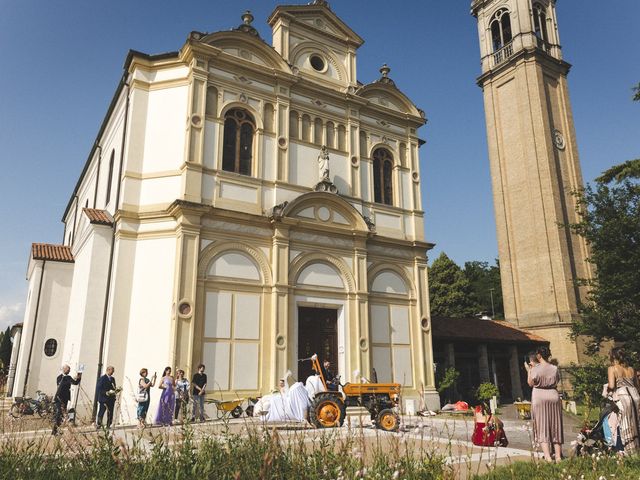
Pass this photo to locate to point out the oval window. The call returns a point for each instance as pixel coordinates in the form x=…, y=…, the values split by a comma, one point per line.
x=317, y=62
x=50, y=347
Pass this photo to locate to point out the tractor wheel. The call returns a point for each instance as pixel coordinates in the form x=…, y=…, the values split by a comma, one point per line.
x=327, y=411
x=388, y=420
x=249, y=411
x=236, y=412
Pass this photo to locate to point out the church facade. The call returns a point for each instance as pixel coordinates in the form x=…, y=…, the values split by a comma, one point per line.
x=210, y=225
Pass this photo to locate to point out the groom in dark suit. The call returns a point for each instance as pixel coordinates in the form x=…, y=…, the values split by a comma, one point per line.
x=106, y=392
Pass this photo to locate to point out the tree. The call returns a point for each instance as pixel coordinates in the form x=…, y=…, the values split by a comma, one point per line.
x=5, y=348
x=610, y=223
x=611, y=226
x=485, y=284
x=449, y=290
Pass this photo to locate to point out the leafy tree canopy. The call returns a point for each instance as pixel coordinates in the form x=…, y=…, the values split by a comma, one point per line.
x=5, y=348
x=610, y=224
x=449, y=289
x=485, y=286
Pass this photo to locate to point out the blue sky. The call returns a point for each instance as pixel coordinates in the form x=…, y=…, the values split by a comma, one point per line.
x=61, y=62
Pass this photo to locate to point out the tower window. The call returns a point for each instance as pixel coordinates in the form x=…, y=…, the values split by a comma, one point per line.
x=540, y=25
x=382, y=176
x=500, y=29
x=50, y=347
x=237, y=149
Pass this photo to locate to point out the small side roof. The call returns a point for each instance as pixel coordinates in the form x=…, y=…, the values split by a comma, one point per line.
x=477, y=330
x=54, y=253
x=98, y=217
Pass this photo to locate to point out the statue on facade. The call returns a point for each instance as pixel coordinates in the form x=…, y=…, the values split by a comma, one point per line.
x=323, y=164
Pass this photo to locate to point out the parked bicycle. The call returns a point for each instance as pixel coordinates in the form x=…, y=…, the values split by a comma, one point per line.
x=41, y=405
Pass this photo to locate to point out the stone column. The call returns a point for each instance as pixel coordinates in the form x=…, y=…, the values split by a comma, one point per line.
x=483, y=363
x=281, y=330
x=361, y=357
x=450, y=353
x=514, y=369
x=14, y=360
x=188, y=216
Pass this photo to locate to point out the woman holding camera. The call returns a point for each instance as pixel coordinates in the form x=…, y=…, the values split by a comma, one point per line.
x=546, y=404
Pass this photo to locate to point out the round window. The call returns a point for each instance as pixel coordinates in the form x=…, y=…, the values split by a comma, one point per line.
x=50, y=347
x=317, y=62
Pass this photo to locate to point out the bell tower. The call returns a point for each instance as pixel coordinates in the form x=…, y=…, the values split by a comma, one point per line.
x=534, y=167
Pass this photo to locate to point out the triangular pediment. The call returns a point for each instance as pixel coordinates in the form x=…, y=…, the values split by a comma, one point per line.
x=316, y=17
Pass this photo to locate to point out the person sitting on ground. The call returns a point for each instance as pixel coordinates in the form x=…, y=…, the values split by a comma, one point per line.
x=488, y=431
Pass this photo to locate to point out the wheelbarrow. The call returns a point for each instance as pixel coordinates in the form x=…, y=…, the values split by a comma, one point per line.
x=224, y=408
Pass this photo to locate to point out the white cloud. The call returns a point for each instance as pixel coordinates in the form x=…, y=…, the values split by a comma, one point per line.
x=11, y=314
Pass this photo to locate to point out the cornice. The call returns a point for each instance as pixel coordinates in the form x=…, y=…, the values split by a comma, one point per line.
x=529, y=54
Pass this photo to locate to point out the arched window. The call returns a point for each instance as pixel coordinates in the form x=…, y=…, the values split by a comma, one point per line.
x=293, y=125
x=540, y=25
x=110, y=177
x=317, y=131
x=306, y=128
x=268, y=118
x=237, y=148
x=331, y=135
x=500, y=29
x=382, y=176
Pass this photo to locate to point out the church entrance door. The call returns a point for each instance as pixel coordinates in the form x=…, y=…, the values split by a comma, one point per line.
x=317, y=333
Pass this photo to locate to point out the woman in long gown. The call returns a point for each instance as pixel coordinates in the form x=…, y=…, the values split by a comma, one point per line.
x=164, y=415
x=546, y=405
x=622, y=382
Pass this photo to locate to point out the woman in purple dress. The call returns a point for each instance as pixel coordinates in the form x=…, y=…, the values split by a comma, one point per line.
x=546, y=405
x=164, y=415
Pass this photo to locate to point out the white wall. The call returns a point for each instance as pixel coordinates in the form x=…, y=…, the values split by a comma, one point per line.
x=143, y=338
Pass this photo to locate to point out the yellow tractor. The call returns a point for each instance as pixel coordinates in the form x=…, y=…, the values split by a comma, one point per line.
x=328, y=409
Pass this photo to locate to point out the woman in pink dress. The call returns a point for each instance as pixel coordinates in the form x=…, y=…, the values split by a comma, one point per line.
x=546, y=405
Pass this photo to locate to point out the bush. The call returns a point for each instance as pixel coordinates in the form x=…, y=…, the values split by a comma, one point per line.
x=588, y=380
x=448, y=380
x=486, y=391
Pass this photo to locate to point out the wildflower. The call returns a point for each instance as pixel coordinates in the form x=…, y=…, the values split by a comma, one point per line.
x=395, y=475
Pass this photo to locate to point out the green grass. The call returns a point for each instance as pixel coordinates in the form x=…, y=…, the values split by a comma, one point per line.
x=586, y=468
x=254, y=455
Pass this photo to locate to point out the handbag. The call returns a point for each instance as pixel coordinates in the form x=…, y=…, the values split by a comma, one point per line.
x=142, y=396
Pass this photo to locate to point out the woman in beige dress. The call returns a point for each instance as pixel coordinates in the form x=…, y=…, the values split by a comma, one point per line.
x=546, y=405
x=623, y=383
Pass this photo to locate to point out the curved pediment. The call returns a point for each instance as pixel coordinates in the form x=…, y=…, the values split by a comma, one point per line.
x=387, y=95
x=247, y=47
x=325, y=210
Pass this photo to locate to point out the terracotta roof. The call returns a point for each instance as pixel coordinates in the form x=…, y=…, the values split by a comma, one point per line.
x=98, y=217
x=475, y=329
x=56, y=253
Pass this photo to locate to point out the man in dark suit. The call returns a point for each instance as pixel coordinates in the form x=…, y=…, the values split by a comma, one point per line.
x=62, y=396
x=329, y=376
x=106, y=392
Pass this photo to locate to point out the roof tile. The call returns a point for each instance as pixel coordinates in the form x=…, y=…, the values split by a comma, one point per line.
x=98, y=217
x=476, y=329
x=47, y=251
